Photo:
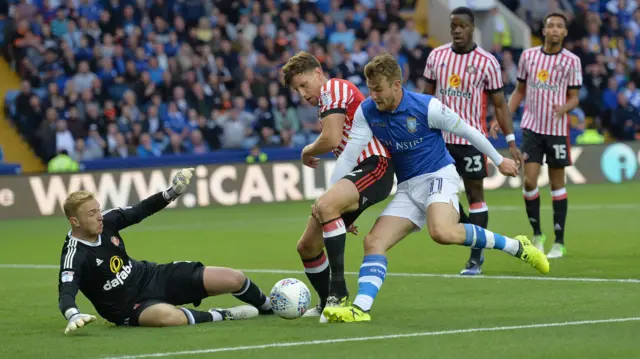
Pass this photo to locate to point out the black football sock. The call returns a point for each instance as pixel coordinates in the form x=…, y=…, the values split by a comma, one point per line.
x=318, y=273
x=197, y=316
x=478, y=215
x=251, y=294
x=335, y=236
x=560, y=207
x=532, y=203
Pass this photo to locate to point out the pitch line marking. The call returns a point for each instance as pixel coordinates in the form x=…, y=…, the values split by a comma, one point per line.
x=377, y=337
x=392, y=274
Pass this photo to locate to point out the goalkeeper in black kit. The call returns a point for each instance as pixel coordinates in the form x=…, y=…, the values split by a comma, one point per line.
x=128, y=292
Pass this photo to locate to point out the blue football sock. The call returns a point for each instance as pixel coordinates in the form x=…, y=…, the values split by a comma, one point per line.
x=372, y=273
x=478, y=237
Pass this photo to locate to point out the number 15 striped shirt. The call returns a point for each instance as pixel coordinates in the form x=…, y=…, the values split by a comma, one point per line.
x=547, y=76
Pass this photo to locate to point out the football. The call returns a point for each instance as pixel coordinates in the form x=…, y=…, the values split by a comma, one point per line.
x=290, y=298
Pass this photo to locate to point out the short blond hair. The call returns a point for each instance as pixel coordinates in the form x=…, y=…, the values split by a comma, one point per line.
x=298, y=64
x=383, y=66
x=75, y=200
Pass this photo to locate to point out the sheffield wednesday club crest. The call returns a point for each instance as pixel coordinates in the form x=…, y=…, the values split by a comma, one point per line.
x=411, y=124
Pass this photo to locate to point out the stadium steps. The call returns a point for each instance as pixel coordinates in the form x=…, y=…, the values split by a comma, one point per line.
x=15, y=148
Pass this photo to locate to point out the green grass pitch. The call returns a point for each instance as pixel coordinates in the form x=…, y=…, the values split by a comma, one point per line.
x=602, y=241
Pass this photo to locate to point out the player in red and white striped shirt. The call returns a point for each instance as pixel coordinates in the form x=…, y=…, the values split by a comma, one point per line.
x=460, y=74
x=337, y=209
x=549, y=79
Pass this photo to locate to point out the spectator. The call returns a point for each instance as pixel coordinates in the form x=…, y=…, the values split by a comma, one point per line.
x=46, y=135
x=256, y=156
x=176, y=146
x=147, y=148
x=198, y=145
x=95, y=145
x=62, y=163
x=176, y=122
x=84, y=78
x=626, y=120
x=284, y=117
x=120, y=149
x=64, y=138
x=409, y=36
x=237, y=132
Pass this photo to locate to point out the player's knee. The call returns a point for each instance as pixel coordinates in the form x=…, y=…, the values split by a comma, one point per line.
x=173, y=318
x=556, y=181
x=324, y=208
x=304, y=248
x=236, y=280
x=530, y=183
x=309, y=246
x=441, y=234
x=373, y=245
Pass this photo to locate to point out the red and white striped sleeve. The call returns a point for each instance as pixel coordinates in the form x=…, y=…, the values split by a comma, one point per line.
x=429, y=69
x=334, y=98
x=522, y=68
x=493, y=78
x=575, y=74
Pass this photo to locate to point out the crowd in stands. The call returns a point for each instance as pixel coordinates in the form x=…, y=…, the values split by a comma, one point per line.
x=120, y=78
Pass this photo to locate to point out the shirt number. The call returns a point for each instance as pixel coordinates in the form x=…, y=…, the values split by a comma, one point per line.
x=473, y=164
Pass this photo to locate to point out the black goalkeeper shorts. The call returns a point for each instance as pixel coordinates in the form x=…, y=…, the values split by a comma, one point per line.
x=176, y=283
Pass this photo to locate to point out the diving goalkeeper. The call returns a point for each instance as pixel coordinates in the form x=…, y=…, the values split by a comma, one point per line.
x=128, y=292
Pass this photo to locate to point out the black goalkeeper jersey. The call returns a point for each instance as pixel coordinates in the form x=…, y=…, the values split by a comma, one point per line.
x=102, y=270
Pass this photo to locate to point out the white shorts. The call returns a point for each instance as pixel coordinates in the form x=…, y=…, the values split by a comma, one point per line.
x=415, y=195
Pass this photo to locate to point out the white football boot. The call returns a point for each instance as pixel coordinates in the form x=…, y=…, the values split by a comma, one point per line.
x=237, y=313
x=557, y=251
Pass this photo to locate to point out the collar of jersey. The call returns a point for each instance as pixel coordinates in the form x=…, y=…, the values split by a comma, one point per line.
x=90, y=244
x=550, y=53
x=465, y=52
x=402, y=106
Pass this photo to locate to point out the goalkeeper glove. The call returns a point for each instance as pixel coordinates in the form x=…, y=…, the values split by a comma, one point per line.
x=78, y=320
x=179, y=184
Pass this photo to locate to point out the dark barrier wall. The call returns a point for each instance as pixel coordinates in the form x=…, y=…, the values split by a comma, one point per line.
x=228, y=185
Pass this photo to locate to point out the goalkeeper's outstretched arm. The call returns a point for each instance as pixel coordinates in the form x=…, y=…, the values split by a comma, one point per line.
x=124, y=217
